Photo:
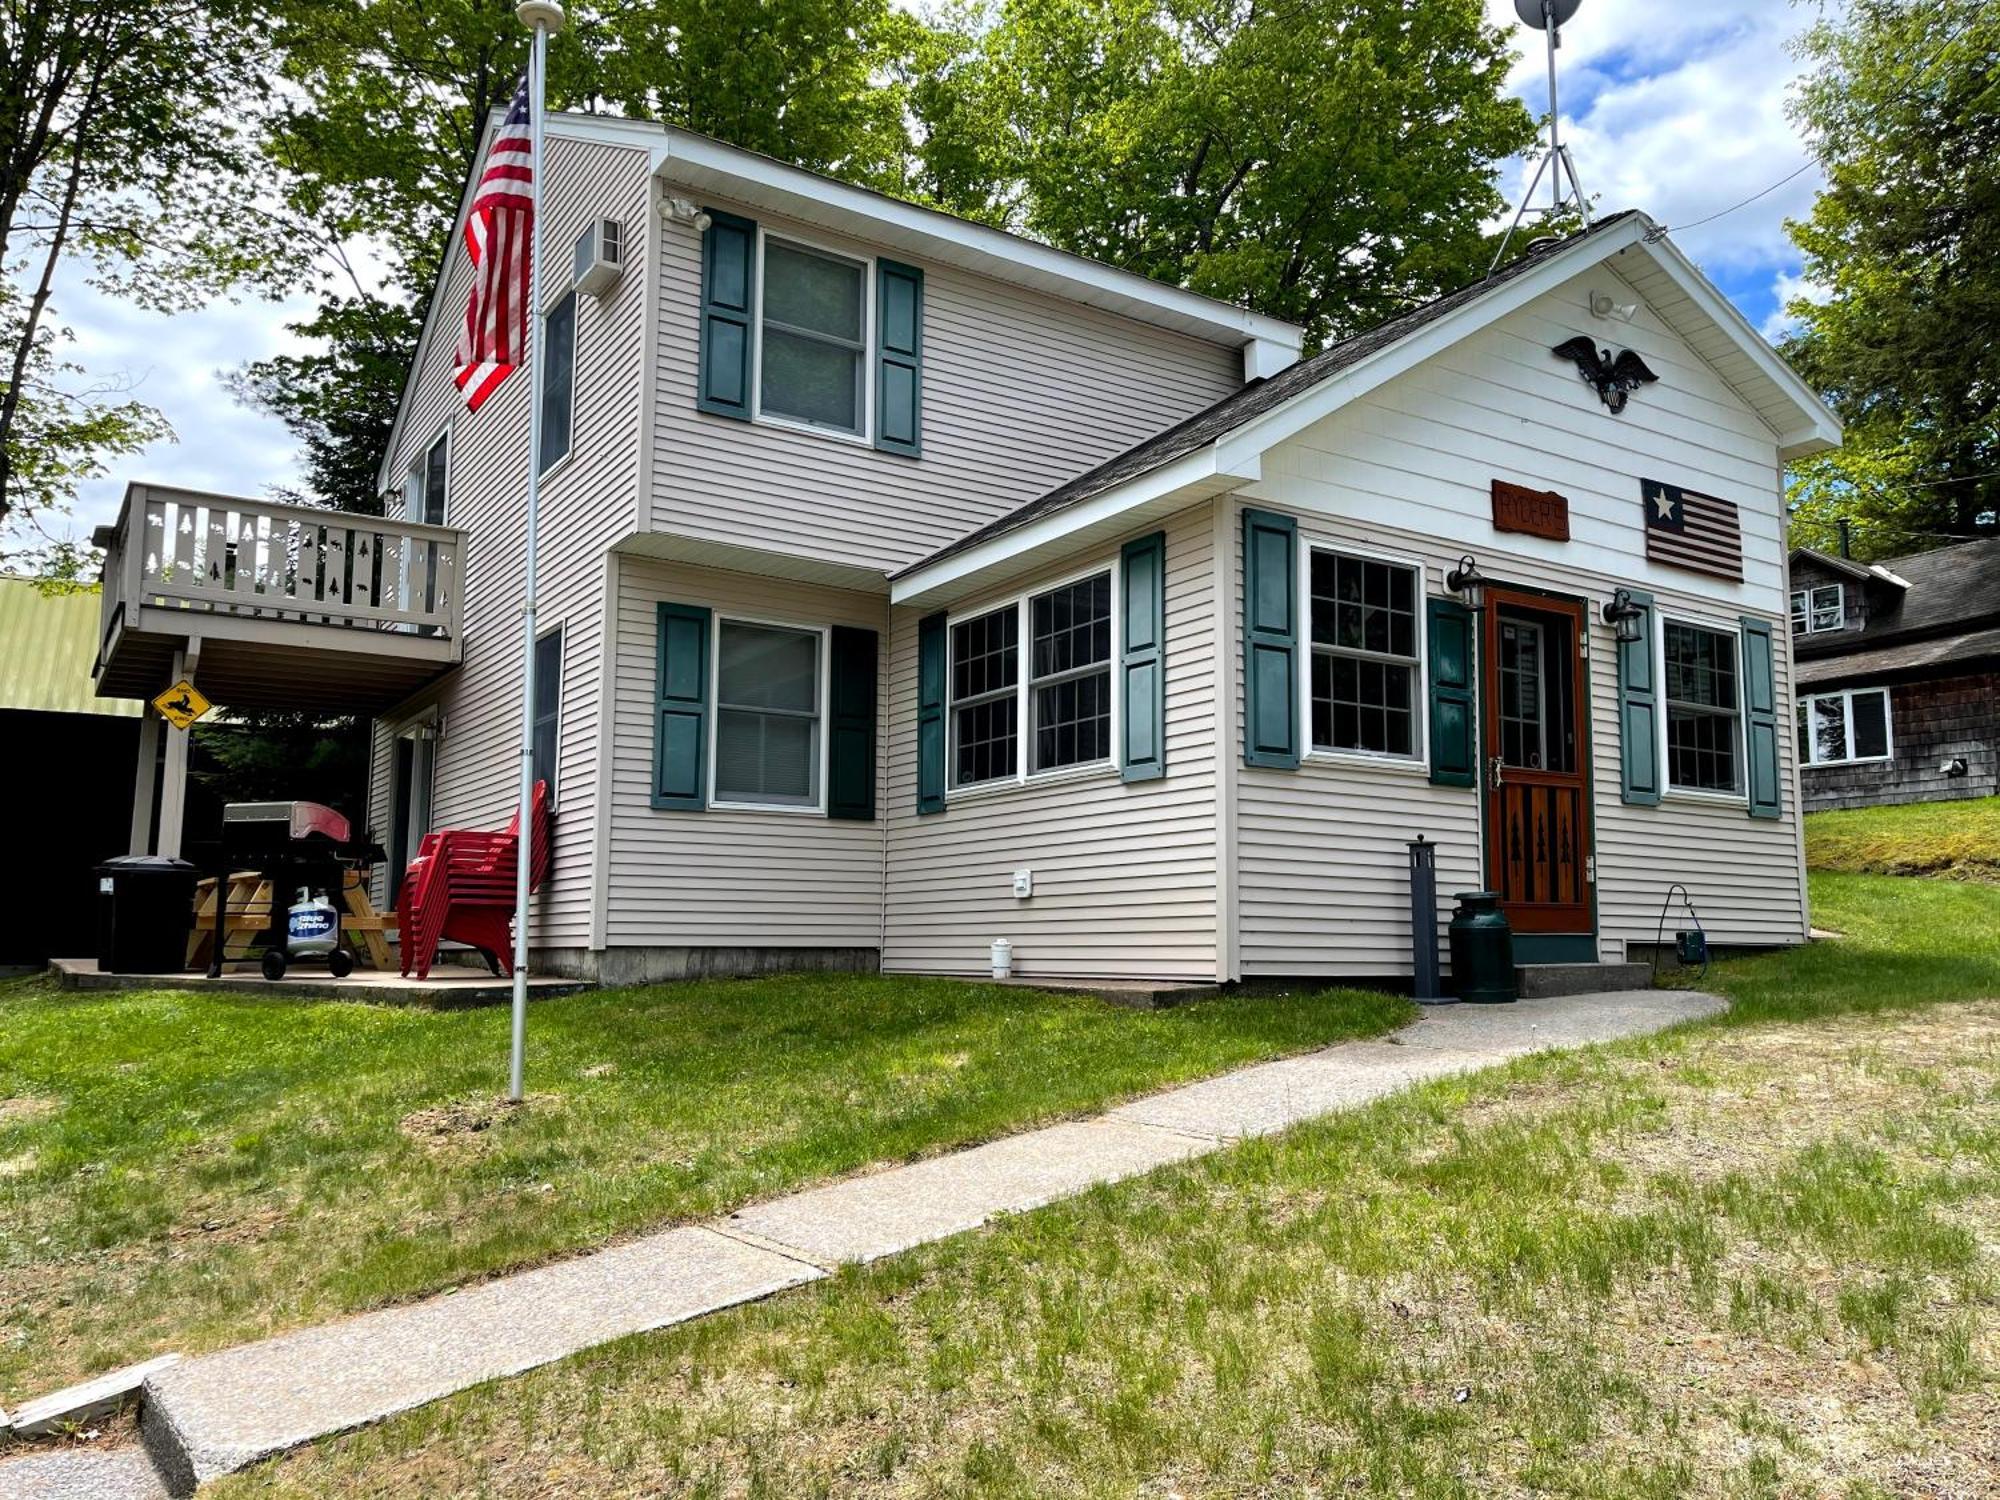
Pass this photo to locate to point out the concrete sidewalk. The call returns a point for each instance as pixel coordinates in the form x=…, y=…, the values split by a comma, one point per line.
x=218, y=1413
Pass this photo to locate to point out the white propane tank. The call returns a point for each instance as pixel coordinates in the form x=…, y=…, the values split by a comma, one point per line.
x=312, y=926
x=1003, y=959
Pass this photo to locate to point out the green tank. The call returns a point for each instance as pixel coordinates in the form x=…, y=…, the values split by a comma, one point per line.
x=1482, y=950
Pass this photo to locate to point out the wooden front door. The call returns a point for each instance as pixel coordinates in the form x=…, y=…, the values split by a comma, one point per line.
x=1533, y=692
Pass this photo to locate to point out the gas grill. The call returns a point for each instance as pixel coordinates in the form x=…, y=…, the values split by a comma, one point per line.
x=290, y=845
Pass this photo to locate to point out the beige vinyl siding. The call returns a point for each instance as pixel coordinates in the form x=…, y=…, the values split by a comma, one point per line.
x=1322, y=882
x=1125, y=875
x=588, y=502
x=732, y=879
x=1021, y=391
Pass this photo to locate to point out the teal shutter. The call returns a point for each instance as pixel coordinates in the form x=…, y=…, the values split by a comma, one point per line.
x=850, y=776
x=1270, y=639
x=1639, y=712
x=899, y=358
x=930, y=714
x=728, y=309
x=1142, y=659
x=1760, y=720
x=1453, y=737
x=680, y=728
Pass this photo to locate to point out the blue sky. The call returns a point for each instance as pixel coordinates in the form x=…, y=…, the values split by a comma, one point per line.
x=1676, y=107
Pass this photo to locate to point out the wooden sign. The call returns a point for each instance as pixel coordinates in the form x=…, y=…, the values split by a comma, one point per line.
x=181, y=704
x=1536, y=512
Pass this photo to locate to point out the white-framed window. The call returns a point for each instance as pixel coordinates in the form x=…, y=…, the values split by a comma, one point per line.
x=814, y=337
x=1845, y=727
x=546, y=741
x=558, y=379
x=767, y=745
x=1364, y=673
x=1704, y=718
x=426, y=486
x=1822, y=607
x=1061, y=696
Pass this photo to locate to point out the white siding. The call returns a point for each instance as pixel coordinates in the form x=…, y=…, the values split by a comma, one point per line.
x=1021, y=392
x=1321, y=857
x=588, y=503
x=729, y=879
x=1124, y=874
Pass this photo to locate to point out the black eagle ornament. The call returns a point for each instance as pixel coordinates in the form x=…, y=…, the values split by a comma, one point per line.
x=1615, y=379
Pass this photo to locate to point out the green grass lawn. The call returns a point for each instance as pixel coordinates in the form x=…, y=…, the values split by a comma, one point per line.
x=1957, y=840
x=1750, y=1257
x=182, y=1170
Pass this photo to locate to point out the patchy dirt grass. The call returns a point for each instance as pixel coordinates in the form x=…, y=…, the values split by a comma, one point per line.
x=1747, y=1259
x=1943, y=840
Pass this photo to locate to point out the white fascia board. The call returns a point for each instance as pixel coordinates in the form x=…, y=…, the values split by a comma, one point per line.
x=1818, y=428
x=697, y=162
x=1141, y=489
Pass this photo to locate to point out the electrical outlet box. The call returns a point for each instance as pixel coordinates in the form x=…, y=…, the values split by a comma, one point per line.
x=1024, y=883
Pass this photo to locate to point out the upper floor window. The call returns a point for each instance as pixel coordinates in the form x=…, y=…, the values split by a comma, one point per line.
x=1823, y=607
x=1703, y=708
x=424, y=488
x=814, y=338
x=1841, y=727
x=1064, y=698
x=1365, y=673
x=558, y=379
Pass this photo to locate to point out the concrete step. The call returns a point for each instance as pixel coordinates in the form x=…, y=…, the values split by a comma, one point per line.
x=1540, y=981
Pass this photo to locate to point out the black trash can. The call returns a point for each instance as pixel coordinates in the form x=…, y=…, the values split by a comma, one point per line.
x=145, y=910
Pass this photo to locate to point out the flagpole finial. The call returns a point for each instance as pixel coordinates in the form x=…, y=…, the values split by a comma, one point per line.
x=541, y=15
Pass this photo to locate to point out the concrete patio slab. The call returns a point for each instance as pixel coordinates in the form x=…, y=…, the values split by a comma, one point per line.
x=80, y=1474
x=79, y=1405
x=449, y=987
x=217, y=1413
x=866, y=1218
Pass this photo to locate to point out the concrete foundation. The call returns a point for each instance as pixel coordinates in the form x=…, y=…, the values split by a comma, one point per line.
x=659, y=965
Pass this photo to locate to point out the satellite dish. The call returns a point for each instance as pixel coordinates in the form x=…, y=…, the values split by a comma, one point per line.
x=1532, y=13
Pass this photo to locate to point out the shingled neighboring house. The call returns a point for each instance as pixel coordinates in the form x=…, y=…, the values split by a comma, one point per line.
x=1898, y=672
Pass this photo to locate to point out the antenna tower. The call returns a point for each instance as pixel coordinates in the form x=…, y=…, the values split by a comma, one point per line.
x=1548, y=16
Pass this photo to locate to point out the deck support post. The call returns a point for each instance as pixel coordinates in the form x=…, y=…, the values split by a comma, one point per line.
x=173, y=788
x=145, y=776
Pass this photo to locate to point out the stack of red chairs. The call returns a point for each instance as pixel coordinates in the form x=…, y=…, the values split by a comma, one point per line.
x=460, y=888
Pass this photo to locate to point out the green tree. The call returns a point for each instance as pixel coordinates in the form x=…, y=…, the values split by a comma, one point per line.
x=1902, y=107
x=127, y=149
x=1327, y=161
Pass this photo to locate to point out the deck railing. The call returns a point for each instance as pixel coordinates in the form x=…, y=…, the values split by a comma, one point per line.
x=259, y=559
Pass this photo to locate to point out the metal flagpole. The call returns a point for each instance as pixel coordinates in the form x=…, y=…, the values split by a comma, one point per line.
x=544, y=18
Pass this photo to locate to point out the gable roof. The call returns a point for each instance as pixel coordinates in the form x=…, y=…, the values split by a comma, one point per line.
x=1845, y=566
x=1947, y=592
x=1221, y=444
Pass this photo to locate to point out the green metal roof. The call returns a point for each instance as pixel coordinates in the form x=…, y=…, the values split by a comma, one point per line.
x=47, y=645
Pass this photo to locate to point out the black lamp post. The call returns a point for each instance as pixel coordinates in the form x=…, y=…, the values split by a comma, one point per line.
x=1623, y=616
x=1468, y=583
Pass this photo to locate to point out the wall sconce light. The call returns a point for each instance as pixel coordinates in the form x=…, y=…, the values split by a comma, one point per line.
x=1623, y=616
x=1468, y=583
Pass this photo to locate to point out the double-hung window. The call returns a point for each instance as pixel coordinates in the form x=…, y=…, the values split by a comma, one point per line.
x=1064, y=699
x=768, y=710
x=1365, y=655
x=815, y=338
x=1823, y=607
x=1704, y=708
x=1840, y=728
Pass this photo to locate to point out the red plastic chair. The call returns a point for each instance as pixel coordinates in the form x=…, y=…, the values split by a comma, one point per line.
x=460, y=888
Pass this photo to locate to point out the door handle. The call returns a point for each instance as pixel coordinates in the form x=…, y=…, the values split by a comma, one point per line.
x=1494, y=774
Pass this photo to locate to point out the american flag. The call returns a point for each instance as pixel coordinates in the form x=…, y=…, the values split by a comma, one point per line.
x=1690, y=530
x=498, y=232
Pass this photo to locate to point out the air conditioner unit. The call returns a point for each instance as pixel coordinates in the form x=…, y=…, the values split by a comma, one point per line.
x=600, y=256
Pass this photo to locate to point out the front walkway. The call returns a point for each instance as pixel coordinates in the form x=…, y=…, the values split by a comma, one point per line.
x=221, y=1412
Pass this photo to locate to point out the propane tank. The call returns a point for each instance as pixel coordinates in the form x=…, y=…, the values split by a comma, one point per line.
x=312, y=927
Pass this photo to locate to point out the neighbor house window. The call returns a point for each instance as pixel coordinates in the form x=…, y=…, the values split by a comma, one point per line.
x=1364, y=654
x=1065, y=697
x=1836, y=728
x=767, y=714
x=558, y=379
x=815, y=338
x=1702, y=708
x=548, y=707
x=1821, y=608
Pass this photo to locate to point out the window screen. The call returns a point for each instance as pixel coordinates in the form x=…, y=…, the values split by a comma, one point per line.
x=1364, y=664
x=767, y=715
x=815, y=337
